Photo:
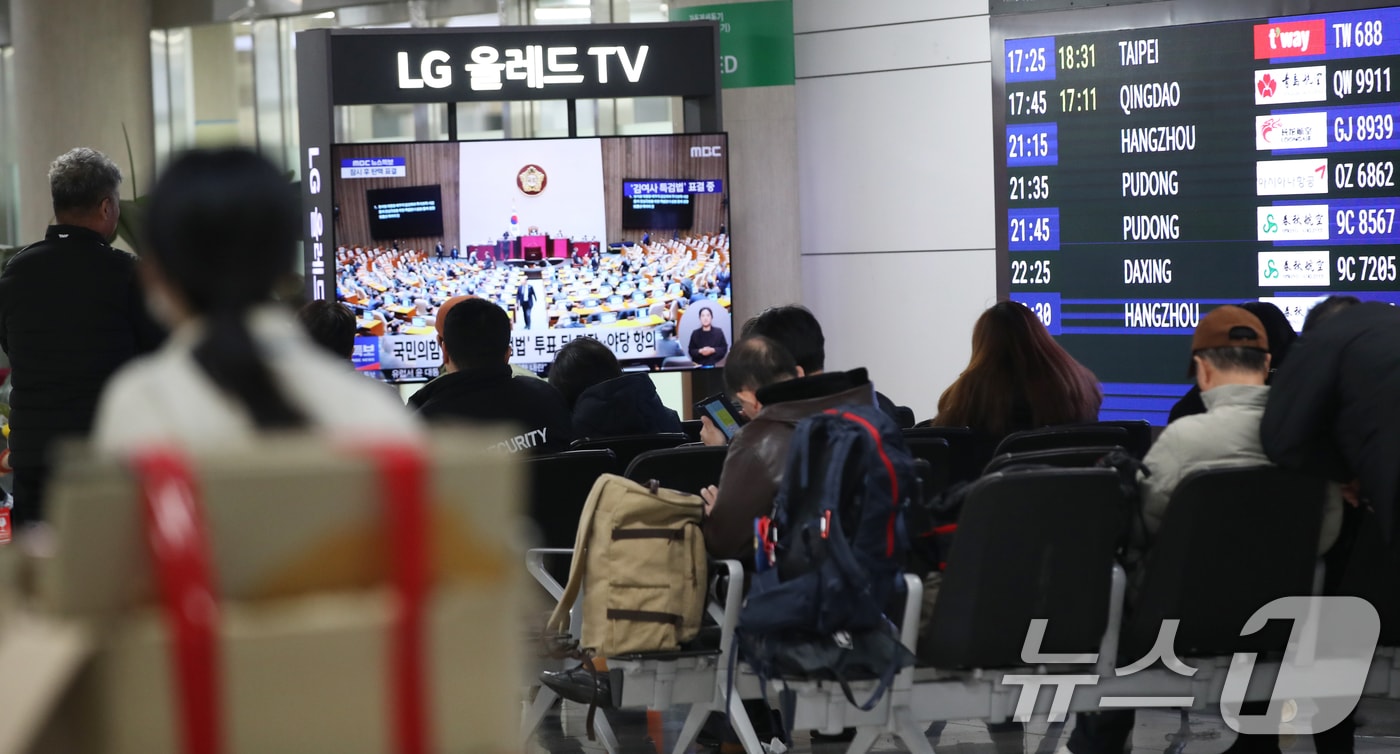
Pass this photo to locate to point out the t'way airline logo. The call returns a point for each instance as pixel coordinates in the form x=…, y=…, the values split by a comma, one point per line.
x=1290, y=40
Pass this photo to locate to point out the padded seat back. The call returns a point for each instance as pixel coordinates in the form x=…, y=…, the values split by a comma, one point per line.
x=1139, y=434
x=1069, y=458
x=935, y=452
x=559, y=486
x=968, y=451
x=1232, y=540
x=1070, y=436
x=628, y=447
x=688, y=469
x=1030, y=544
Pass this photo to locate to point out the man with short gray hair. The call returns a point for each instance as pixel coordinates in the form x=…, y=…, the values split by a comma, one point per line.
x=71, y=313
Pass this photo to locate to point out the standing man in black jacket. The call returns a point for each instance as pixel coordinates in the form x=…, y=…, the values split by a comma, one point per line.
x=71, y=313
x=1334, y=408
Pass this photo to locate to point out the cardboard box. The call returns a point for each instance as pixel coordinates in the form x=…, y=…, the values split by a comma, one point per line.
x=299, y=552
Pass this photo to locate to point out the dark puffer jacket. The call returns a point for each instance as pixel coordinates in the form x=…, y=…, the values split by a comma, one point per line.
x=626, y=405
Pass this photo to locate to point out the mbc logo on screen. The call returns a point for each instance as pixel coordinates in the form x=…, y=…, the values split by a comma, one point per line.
x=707, y=151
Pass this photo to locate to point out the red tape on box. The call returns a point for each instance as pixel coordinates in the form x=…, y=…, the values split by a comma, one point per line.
x=180, y=550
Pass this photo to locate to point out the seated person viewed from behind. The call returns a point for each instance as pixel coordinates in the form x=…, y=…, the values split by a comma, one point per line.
x=775, y=396
x=605, y=402
x=331, y=325
x=223, y=228
x=478, y=385
x=1018, y=378
x=441, y=317
x=1281, y=336
x=1230, y=361
x=797, y=329
x=708, y=346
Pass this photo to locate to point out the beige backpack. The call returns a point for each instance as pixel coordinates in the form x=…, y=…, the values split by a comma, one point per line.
x=640, y=560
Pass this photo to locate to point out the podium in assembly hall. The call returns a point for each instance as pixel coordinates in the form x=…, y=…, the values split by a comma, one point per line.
x=534, y=248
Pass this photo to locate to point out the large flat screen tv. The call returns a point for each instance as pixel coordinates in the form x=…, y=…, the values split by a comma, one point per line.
x=560, y=233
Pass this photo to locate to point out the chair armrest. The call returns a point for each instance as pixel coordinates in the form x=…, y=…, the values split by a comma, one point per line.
x=534, y=563
x=728, y=619
x=1112, y=632
x=913, y=604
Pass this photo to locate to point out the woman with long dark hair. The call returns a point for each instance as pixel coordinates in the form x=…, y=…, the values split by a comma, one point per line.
x=222, y=229
x=1018, y=378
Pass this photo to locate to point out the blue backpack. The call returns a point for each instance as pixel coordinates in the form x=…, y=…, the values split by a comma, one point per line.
x=829, y=558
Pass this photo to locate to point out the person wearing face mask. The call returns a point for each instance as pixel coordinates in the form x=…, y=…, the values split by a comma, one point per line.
x=223, y=228
x=71, y=314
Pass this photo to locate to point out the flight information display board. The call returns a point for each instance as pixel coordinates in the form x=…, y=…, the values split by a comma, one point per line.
x=1154, y=173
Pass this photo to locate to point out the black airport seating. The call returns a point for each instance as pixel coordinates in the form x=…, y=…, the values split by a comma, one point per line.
x=688, y=469
x=1030, y=544
x=628, y=447
x=1068, y=458
x=1139, y=434
x=1067, y=436
x=559, y=486
x=935, y=452
x=1232, y=540
x=691, y=428
x=968, y=452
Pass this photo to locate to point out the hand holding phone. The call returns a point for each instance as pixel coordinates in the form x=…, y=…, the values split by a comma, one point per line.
x=721, y=413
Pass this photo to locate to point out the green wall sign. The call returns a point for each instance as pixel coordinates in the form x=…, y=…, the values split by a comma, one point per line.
x=755, y=41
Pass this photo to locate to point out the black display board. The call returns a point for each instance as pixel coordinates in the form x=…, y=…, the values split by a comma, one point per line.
x=1150, y=170
x=337, y=67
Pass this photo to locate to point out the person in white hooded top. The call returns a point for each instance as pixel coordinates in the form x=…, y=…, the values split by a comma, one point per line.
x=222, y=228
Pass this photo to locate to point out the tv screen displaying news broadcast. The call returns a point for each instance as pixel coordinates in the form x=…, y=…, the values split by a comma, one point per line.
x=620, y=239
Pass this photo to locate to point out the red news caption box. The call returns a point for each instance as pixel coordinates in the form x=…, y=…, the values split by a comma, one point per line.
x=1290, y=39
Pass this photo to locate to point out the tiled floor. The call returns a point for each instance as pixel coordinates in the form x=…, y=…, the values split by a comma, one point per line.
x=1378, y=732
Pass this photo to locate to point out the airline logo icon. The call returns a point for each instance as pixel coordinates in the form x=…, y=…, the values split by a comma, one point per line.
x=1287, y=177
x=1292, y=39
x=1295, y=308
x=1299, y=222
x=1289, y=86
x=1278, y=269
x=1292, y=131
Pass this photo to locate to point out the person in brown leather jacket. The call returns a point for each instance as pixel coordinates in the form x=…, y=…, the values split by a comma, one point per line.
x=753, y=469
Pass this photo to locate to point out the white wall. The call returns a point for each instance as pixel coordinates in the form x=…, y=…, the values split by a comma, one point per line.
x=572, y=200
x=894, y=127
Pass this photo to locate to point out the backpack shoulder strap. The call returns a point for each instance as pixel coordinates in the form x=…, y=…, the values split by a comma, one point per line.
x=559, y=619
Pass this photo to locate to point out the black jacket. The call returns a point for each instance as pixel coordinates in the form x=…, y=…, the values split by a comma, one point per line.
x=1334, y=407
x=902, y=415
x=757, y=458
x=627, y=405
x=71, y=313
x=493, y=394
x=713, y=339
